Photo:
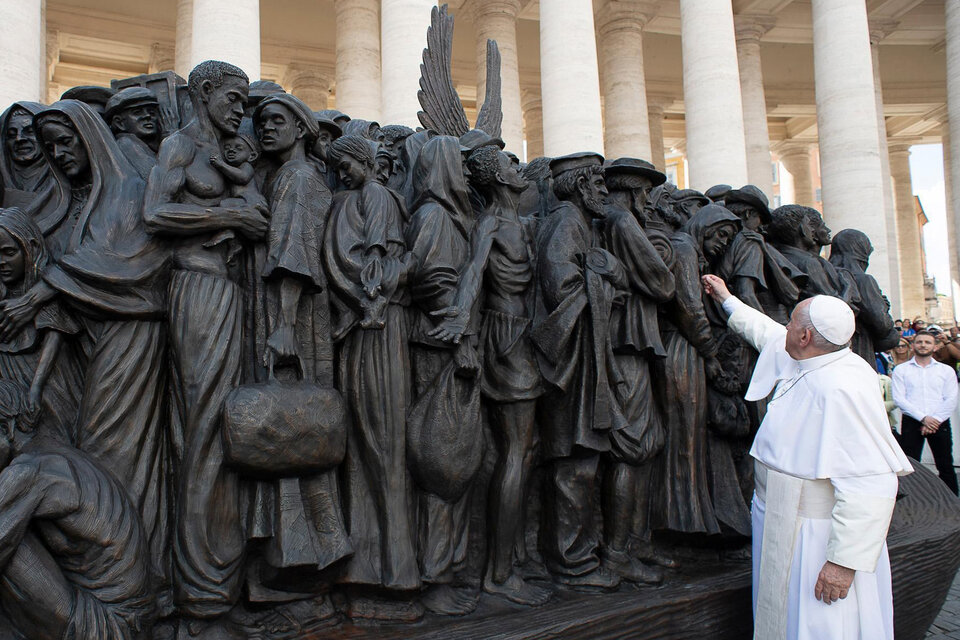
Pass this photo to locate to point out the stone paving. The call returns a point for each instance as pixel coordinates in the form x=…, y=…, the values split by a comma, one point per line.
x=947, y=624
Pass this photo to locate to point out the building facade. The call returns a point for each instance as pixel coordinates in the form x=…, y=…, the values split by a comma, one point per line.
x=815, y=101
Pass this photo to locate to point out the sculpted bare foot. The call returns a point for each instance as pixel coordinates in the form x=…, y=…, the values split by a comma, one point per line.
x=516, y=589
x=384, y=609
x=444, y=600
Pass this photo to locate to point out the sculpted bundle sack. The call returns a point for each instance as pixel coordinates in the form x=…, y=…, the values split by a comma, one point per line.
x=278, y=429
x=444, y=435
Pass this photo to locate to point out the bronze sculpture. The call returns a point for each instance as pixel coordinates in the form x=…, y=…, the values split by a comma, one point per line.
x=512, y=363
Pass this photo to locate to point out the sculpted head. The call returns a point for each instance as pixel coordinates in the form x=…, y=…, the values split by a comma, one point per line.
x=23, y=254
x=136, y=111
x=64, y=145
x=278, y=128
x=717, y=238
x=491, y=168
x=16, y=425
x=20, y=138
x=221, y=90
x=354, y=159
x=792, y=225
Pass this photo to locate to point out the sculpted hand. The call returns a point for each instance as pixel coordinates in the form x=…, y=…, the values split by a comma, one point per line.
x=715, y=287
x=451, y=328
x=251, y=223
x=283, y=342
x=15, y=314
x=32, y=414
x=713, y=368
x=833, y=583
x=467, y=360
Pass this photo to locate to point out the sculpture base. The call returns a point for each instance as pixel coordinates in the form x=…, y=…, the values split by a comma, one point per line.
x=711, y=604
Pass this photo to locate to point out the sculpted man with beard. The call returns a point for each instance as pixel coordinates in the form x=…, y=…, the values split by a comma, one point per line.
x=577, y=282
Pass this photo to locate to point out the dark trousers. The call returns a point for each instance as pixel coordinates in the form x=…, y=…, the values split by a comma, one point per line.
x=941, y=445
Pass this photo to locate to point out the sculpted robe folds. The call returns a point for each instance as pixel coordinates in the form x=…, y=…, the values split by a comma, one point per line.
x=827, y=470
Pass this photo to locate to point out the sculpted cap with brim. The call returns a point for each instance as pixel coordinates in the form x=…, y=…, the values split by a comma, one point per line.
x=573, y=161
x=833, y=319
x=129, y=97
x=753, y=196
x=635, y=167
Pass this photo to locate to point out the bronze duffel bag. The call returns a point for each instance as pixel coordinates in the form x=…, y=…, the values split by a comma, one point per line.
x=277, y=429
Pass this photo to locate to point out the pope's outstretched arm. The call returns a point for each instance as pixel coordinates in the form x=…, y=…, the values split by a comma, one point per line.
x=752, y=325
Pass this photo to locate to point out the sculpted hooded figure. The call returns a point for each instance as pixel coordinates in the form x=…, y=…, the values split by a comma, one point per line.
x=113, y=275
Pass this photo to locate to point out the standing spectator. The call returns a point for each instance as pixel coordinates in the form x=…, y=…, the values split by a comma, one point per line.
x=908, y=330
x=898, y=324
x=902, y=352
x=948, y=350
x=926, y=392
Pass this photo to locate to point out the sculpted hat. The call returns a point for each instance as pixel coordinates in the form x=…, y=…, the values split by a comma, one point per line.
x=718, y=192
x=682, y=195
x=475, y=138
x=260, y=89
x=833, y=318
x=751, y=195
x=573, y=161
x=94, y=96
x=129, y=97
x=328, y=124
x=635, y=167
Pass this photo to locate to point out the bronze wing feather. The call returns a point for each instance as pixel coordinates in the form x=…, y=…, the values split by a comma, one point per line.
x=491, y=113
x=442, y=110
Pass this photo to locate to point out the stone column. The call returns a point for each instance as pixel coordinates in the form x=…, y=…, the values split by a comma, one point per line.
x=757, y=136
x=711, y=94
x=655, y=120
x=227, y=30
x=497, y=20
x=162, y=57
x=569, y=79
x=182, y=58
x=23, y=54
x=850, y=167
x=878, y=31
x=951, y=141
x=403, y=34
x=908, y=243
x=358, y=58
x=795, y=158
x=623, y=87
x=953, y=247
x=309, y=83
x=533, y=123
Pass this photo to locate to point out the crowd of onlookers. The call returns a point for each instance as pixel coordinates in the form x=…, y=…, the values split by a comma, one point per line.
x=920, y=399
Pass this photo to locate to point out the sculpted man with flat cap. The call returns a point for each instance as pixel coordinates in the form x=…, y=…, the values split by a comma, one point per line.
x=826, y=476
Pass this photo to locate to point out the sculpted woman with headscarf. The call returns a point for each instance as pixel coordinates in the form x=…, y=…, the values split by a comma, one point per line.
x=691, y=349
x=292, y=328
x=850, y=253
x=26, y=179
x=113, y=275
x=364, y=255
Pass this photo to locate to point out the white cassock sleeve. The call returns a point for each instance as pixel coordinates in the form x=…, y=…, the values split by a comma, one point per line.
x=753, y=326
x=860, y=520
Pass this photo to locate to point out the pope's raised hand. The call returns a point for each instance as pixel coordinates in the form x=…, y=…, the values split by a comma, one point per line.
x=715, y=287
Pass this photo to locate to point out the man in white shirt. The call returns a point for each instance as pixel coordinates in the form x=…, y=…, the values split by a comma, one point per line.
x=926, y=392
x=826, y=476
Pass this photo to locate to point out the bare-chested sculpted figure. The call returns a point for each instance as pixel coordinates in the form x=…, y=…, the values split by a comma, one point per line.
x=499, y=277
x=74, y=561
x=182, y=204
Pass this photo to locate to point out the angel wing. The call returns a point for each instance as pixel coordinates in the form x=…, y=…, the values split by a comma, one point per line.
x=442, y=110
x=491, y=113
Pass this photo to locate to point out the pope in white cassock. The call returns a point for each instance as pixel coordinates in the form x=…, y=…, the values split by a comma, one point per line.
x=826, y=476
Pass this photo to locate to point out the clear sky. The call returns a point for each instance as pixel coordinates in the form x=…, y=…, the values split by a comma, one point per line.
x=926, y=174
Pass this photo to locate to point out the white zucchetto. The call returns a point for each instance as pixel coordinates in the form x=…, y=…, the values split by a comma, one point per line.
x=833, y=318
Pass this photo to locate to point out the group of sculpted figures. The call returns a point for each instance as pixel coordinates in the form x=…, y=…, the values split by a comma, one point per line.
x=524, y=343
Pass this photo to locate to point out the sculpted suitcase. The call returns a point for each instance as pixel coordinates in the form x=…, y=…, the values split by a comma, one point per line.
x=278, y=429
